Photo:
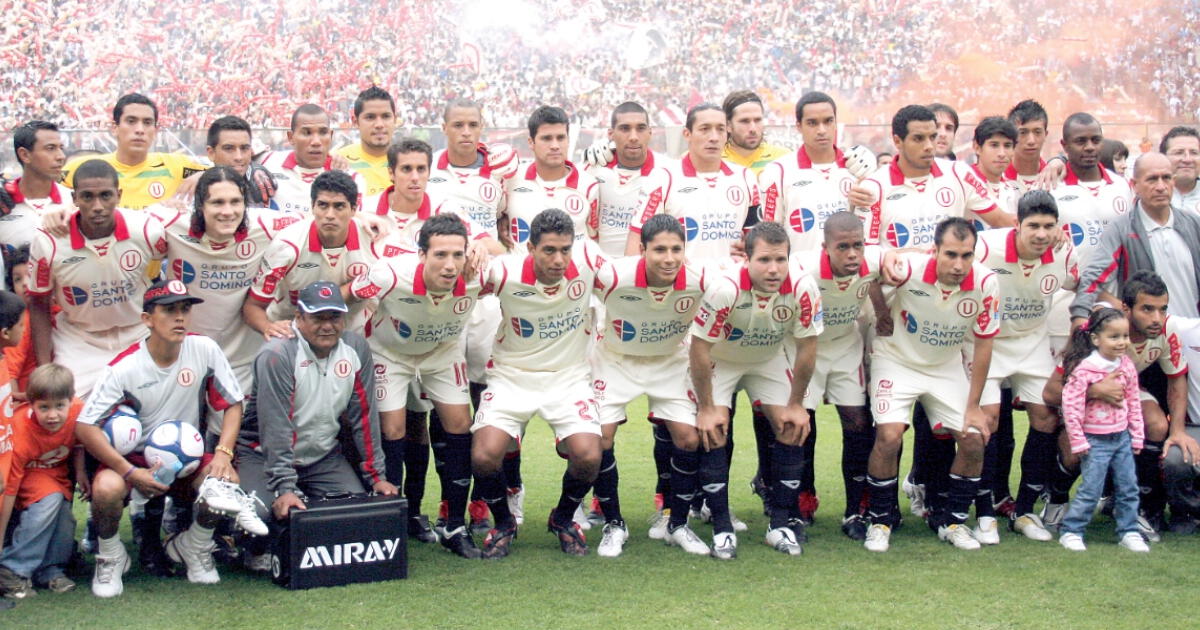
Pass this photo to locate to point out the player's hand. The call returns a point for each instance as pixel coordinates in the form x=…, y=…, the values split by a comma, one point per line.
x=142, y=480
x=861, y=198
x=376, y=225
x=56, y=222
x=1109, y=389
x=84, y=485
x=261, y=180
x=284, y=503
x=737, y=251
x=1059, y=239
x=894, y=270
x=712, y=426
x=1076, y=322
x=339, y=162
x=222, y=467
x=502, y=160
x=861, y=162
x=187, y=187
x=975, y=419
x=385, y=487
x=281, y=328
x=600, y=153
x=884, y=326
x=1051, y=175
x=477, y=258
x=794, y=425
x=1185, y=443
x=7, y=188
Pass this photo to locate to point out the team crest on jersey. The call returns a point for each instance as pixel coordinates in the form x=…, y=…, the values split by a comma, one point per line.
x=734, y=195
x=1049, y=285
x=684, y=304
x=186, y=377
x=862, y=290
x=342, y=368
x=845, y=185
x=574, y=204
x=245, y=249
x=488, y=191
x=357, y=269
x=156, y=190
x=461, y=306
x=1120, y=205
x=131, y=260
x=380, y=393
x=968, y=307
x=576, y=289
x=1154, y=354
x=781, y=313
x=944, y=197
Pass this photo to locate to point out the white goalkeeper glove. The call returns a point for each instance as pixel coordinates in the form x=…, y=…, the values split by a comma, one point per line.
x=860, y=161
x=600, y=153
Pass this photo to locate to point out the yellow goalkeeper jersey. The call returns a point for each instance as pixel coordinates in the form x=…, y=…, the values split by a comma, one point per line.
x=762, y=156
x=373, y=170
x=145, y=184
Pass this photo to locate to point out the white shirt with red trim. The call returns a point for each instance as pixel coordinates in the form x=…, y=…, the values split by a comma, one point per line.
x=472, y=192
x=527, y=194
x=801, y=195
x=1026, y=286
x=1166, y=349
x=908, y=210
x=293, y=183
x=621, y=196
x=543, y=328
x=406, y=227
x=411, y=321
x=98, y=282
x=295, y=259
x=748, y=326
x=1023, y=183
x=711, y=206
x=1005, y=193
x=1086, y=208
x=842, y=297
x=199, y=379
x=220, y=272
x=931, y=322
x=642, y=320
x=19, y=225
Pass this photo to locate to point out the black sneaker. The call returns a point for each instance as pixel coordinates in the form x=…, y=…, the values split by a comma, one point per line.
x=854, y=527
x=570, y=537
x=419, y=529
x=460, y=543
x=498, y=541
x=1182, y=526
x=153, y=560
x=799, y=528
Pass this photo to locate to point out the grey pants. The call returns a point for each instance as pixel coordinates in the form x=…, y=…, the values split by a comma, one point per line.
x=1180, y=481
x=327, y=475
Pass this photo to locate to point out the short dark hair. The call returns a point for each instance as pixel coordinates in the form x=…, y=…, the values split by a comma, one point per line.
x=212, y=176
x=464, y=103
x=660, y=223
x=408, y=145
x=942, y=108
x=550, y=221
x=1144, y=281
x=133, y=98
x=1111, y=150
x=1078, y=118
x=994, y=126
x=95, y=169
x=51, y=381
x=702, y=107
x=373, y=93
x=1028, y=111
x=958, y=226
x=769, y=232
x=737, y=98
x=307, y=109
x=447, y=224
x=907, y=114
x=842, y=221
x=813, y=98
x=1176, y=132
x=25, y=136
x=628, y=107
x=226, y=123
x=14, y=256
x=547, y=115
x=11, y=309
x=1036, y=202
x=337, y=182
x=884, y=154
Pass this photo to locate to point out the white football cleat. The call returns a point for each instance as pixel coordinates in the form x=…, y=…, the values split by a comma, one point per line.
x=615, y=535
x=958, y=535
x=1052, y=515
x=218, y=496
x=581, y=518
x=987, y=532
x=658, y=525
x=201, y=569
x=724, y=546
x=878, y=537
x=1133, y=541
x=106, y=581
x=1147, y=530
x=916, y=497
x=1072, y=542
x=783, y=539
x=516, y=503
x=247, y=517
x=1030, y=525
x=687, y=540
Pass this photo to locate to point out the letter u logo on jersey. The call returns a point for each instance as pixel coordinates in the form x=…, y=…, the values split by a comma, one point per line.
x=944, y=197
x=245, y=249
x=574, y=204
x=131, y=260
x=488, y=191
x=735, y=195
x=1049, y=285
x=968, y=307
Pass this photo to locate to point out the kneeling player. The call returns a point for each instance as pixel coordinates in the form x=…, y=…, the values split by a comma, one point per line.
x=648, y=301
x=918, y=358
x=163, y=377
x=737, y=343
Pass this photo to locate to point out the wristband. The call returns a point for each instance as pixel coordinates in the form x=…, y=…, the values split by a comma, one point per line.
x=129, y=472
x=224, y=449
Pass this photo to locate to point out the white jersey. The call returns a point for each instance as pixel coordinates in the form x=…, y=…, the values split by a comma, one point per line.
x=621, y=197
x=1023, y=183
x=406, y=227
x=801, y=195
x=220, y=272
x=907, y=210
x=1006, y=194
x=642, y=320
x=543, y=328
x=23, y=221
x=1086, y=208
x=295, y=258
x=747, y=326
x=98, y=282
x=411, y=322
x=930, y=323
x=527, y=194
x=472, y=191
x=293, y=183
x=199, y=379
x=842, y=297
x=1025, y=286
x=1166, y=349
x=712, y=207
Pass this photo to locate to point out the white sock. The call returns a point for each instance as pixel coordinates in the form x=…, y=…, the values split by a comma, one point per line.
x=111, y=547
x=197, y=537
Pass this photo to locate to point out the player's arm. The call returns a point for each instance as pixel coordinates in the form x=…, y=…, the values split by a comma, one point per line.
x=275, y=389
x=1176, y=369
x=105, y=397
x=276, y=263
x=998, y=218
x=6, y=510
x=224, y=395
x=770, y=184
x=708, y=416
x=652, y=199
x=40, y=328
x=1103, y=262
x=363, y=418
x=985, y=328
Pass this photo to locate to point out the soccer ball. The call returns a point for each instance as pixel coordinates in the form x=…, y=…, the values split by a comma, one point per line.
x=123, y=429
x=178, y=446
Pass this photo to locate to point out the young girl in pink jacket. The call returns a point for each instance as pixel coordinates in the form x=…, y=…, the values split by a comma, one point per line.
x=1107, y=436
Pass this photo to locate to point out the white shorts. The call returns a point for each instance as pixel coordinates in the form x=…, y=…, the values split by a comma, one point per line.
x=895, y=388
x=838, y=377
x=564, y=399
x=766, y=383
x=1025, y=361
x=87, y=353
x=478, y=336
x=617, y=379
x=396, y=382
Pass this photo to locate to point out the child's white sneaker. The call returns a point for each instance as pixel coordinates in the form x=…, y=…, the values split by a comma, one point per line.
x=1133, y=541
x=1074, y=542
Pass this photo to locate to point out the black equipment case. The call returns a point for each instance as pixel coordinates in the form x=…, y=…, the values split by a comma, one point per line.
x=342, y=539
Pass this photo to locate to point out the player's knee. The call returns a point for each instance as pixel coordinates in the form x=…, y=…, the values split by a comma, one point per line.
x=485, y=464
x=584, y=464
x=854, y=419
x=686, y=441
x=970, y=445
x=1041, y=419
x=1156, y=428
x=108, y=490
x=888, y=439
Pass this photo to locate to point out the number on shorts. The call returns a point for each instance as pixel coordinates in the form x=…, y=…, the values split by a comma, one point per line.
x=582, y=405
